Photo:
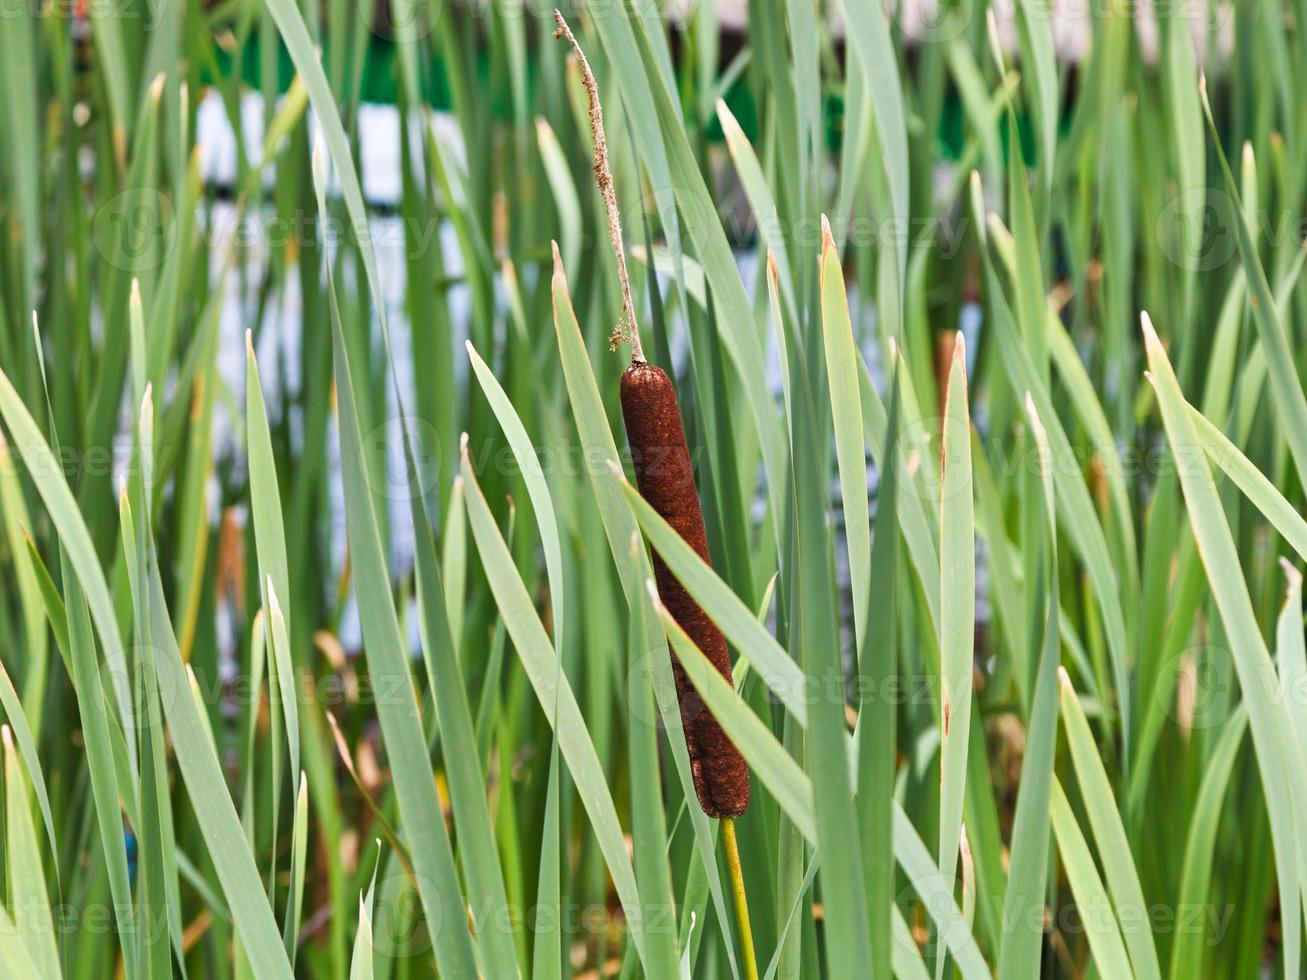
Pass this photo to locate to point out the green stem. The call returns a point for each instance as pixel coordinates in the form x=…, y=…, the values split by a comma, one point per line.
x=741, y=899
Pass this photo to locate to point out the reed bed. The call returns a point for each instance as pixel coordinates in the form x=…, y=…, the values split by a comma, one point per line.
x=910, y=584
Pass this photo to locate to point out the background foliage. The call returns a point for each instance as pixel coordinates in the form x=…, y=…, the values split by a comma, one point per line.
x=333, y=653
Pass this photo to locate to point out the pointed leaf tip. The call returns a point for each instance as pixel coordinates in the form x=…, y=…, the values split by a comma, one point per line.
x=1290, y=571
x=273, y=603
x=1151, y=339
x=827, y=239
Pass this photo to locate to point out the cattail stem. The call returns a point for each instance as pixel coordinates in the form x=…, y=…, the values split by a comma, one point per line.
x=627, y=327
x=741, y=899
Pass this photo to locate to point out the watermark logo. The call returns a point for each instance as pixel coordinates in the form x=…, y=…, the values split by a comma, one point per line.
x=387, y=460
x=405, y=921
x=134, y=230
x=1196, y=229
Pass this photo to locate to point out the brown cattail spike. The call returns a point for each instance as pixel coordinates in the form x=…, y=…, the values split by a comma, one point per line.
x=662, y=470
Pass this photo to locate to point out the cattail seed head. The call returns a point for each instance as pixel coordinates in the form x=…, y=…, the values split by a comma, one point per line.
x=663, y=473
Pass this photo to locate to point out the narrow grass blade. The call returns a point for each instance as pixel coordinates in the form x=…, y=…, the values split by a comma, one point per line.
x=299, y=843
x=270, y=544
x=876, y=727
x=1279, y=757
x=566, y=199
x=815, y=640
x=870, y=41
x=1188, y=950
x=13, y=511
x=1101, y=928
x=547, y=953
x=261, y=939
x=1179, y=74
x=13, y=948
x=761, y=200
x=1023, y=909
x=74, y=538
x=1286, y=388
x=920, y=528
x=1291, y=650
x=105, y=788
x=957, y=589
x=1113, y=846
x=22, y=735
x=1035, y=32
x=936, y=893
x=362, y=961
x=28, y=896
x=1259, y=490
x=908, y=964
x=528, y=463
x=846, y=411
x=20, y=66
x=1027, y=272
x=1072, y=373
x=453, y=561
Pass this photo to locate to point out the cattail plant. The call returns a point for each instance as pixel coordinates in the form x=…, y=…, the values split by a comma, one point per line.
x=661, y=459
